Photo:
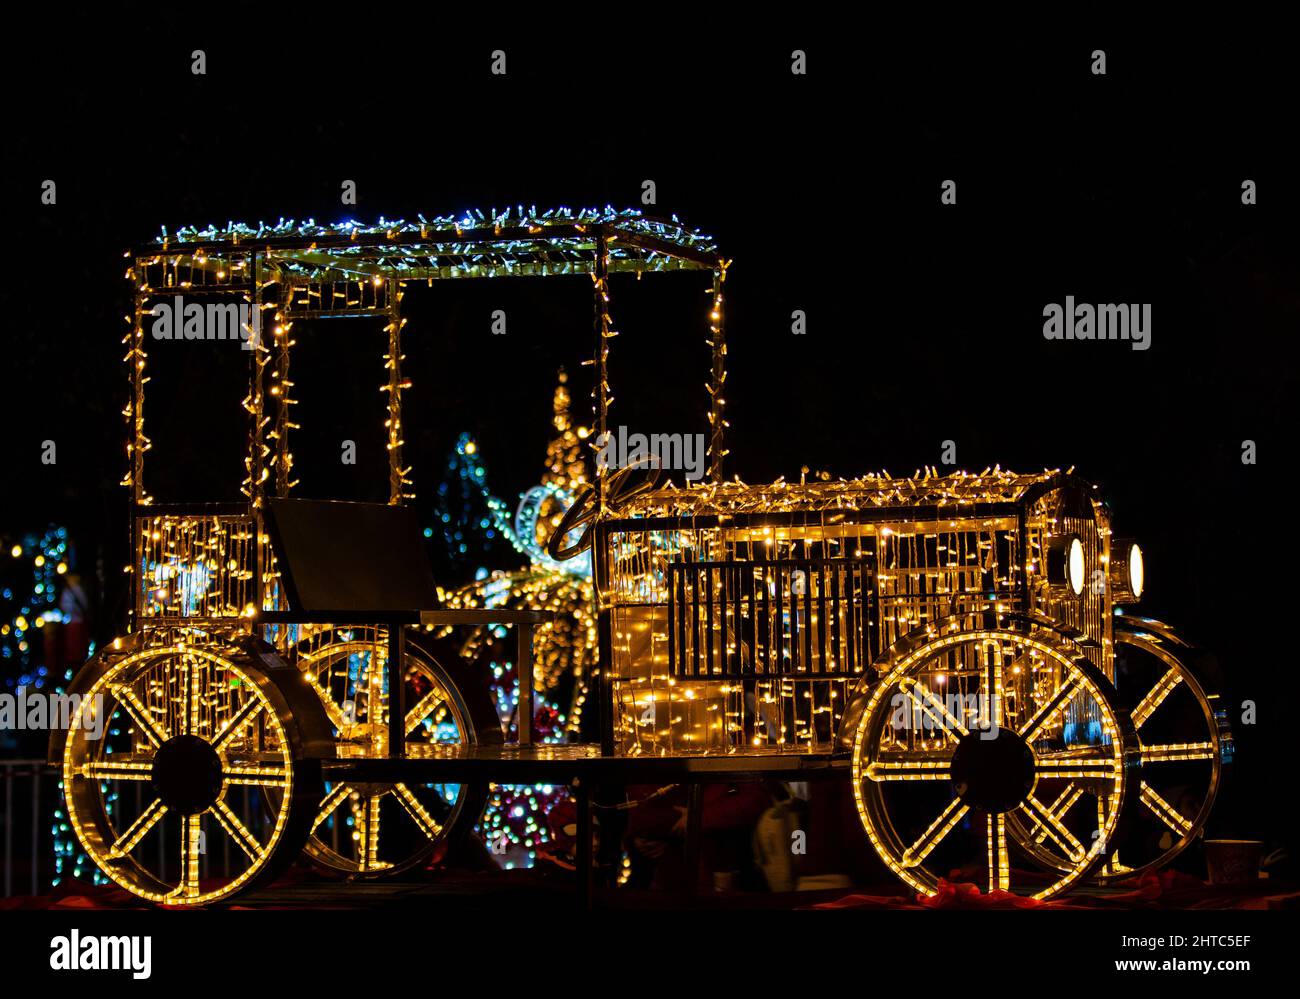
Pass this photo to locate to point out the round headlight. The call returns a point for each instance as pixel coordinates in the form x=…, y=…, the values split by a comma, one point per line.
x=1067, y=564
x=1127, y=571
x=1074, y=567
x=1136, y=571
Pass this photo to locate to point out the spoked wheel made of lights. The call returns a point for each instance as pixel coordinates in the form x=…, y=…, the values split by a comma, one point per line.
x=966, y=747
x=1183, y=744
x=162, y=782
x=367, y=831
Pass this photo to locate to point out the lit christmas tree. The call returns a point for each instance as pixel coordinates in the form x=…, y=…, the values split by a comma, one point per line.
x=462, y=519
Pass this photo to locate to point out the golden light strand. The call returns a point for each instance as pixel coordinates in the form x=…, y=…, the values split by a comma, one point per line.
x=602, y=400
x=718, y=375
x=281, y=390
x=398, y=481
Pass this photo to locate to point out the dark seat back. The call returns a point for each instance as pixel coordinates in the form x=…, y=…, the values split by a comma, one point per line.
x=353, y=557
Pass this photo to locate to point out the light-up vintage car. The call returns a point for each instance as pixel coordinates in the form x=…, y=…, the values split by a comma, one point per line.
x=951, y=645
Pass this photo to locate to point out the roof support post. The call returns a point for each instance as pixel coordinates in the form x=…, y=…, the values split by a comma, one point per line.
x=717, y=375
x=138, y=443
x=255, y=404
x=397, y=472
x=600, y=391
x=281, y=389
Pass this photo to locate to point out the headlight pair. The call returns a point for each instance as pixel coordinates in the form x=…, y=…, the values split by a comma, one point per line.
x=1067, y=567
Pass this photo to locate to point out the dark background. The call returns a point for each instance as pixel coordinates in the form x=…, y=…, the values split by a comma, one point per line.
x=924, y=321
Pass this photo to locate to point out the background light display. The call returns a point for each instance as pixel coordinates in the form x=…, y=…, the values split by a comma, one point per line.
x=471, y=520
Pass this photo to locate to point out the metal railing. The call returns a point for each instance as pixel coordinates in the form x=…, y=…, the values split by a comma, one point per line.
x=26, y=783
x=768, y=617
x=28, y=800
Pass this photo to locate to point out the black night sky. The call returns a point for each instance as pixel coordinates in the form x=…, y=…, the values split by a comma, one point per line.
x=924, y=321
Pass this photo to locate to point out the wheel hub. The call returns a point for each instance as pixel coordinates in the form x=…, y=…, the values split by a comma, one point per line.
x=993, y=771
x=187, y=774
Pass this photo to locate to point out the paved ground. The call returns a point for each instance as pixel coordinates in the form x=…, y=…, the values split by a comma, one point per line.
x=544, y=890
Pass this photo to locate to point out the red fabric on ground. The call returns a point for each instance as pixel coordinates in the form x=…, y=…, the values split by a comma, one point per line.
x=72, y=894
x=1163, y=890
x=950, y=895
x=1159, y=890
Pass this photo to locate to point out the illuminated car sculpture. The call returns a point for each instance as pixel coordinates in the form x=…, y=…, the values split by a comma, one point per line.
x=950, y=645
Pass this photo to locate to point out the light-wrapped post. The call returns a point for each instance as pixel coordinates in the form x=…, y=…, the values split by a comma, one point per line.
x=137, y=442
x=397, y=473
x=281, y=388
x=397, y=483
x=600, y=391
x=717, y=377
x=600, y=395
x=255, y=404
